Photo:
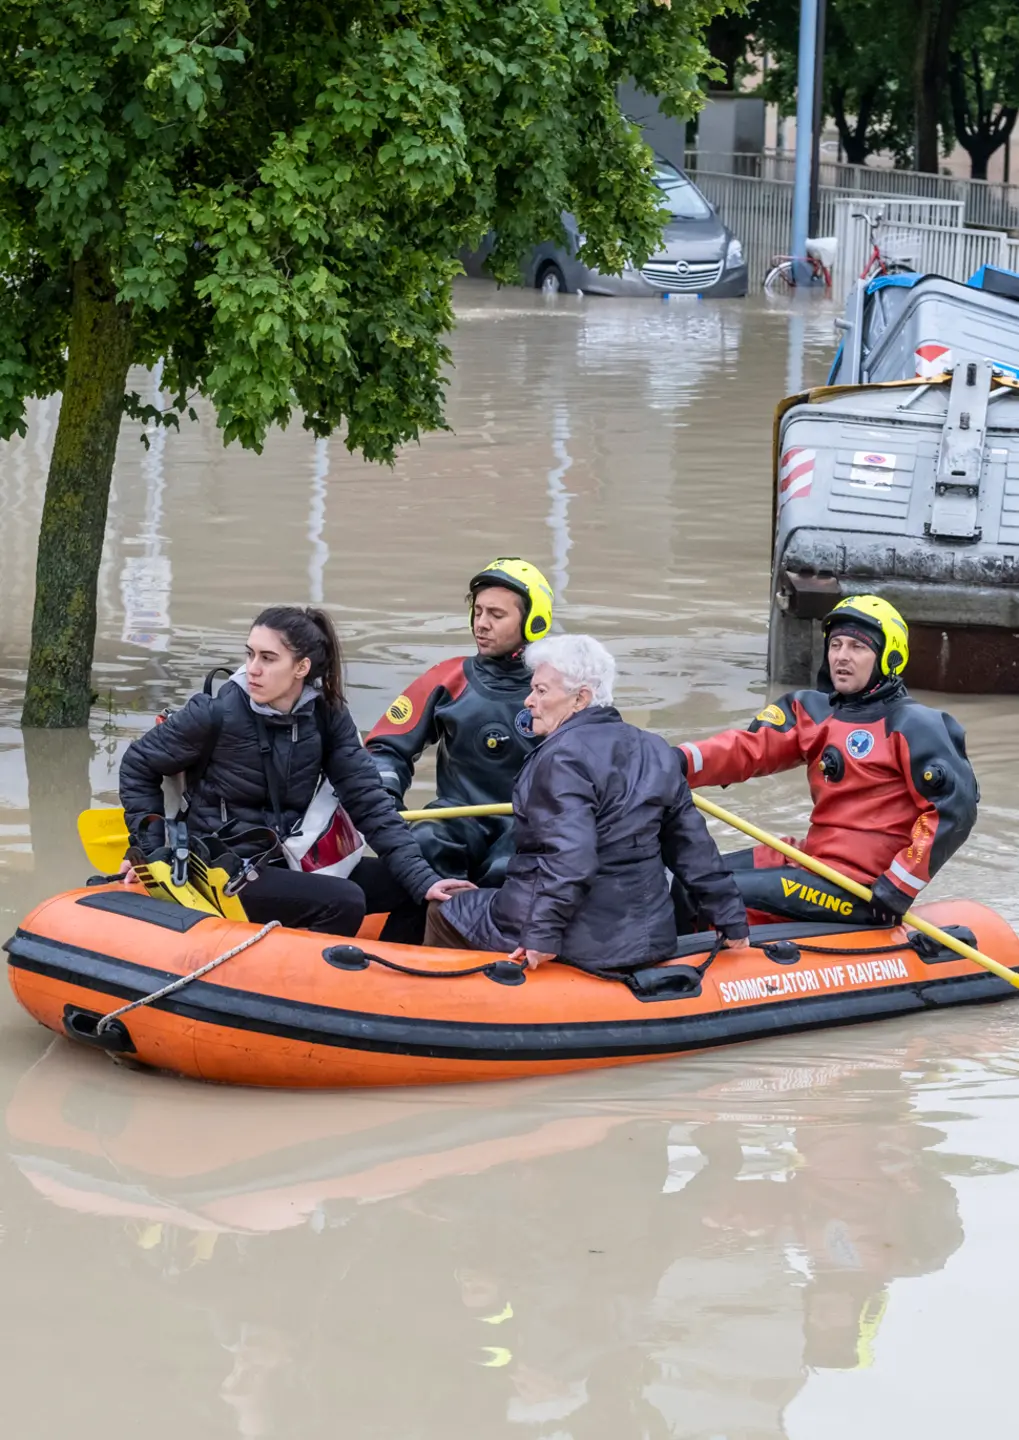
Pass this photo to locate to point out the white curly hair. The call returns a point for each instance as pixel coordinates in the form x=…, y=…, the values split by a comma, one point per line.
x=581, y=660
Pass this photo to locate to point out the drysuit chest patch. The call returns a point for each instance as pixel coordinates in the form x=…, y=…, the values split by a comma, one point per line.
x=859, y=744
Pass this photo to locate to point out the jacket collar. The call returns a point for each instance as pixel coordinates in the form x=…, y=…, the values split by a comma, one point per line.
x=308, y=696
x=499, y=665
x=592, y=715
x=891, y=688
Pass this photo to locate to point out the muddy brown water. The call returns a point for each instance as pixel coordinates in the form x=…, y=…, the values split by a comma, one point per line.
x=805, y=1237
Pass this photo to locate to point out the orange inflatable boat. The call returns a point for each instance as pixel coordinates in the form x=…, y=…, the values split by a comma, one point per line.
x=295, y=1009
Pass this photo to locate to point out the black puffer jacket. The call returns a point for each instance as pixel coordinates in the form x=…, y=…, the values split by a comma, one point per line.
x=601, y=808
x=233, y=786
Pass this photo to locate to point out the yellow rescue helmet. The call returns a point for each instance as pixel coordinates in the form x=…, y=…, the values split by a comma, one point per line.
x=881, y=620
x=525, y=580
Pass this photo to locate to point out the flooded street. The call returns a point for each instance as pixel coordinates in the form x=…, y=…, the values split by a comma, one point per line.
x=804, y=1237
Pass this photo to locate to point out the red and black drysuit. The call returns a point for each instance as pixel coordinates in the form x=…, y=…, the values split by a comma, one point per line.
x=894, y=797
x=473, y=710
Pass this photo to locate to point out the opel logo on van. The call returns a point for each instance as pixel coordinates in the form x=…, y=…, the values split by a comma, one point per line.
x=682, y=267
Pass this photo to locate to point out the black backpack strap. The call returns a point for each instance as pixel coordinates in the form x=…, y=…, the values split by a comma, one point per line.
x=265, y=750
x=219, y=670
x=322, y=721
x=272, y=779
x=196, y=773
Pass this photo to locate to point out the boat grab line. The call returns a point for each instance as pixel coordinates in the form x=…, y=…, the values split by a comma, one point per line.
x=175, y=985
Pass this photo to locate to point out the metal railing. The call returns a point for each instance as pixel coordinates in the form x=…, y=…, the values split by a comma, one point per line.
x=759, y=211
x=939, y=249
x=987, y=204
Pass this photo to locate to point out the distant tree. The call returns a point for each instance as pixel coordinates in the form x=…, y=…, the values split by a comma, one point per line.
x=933, y=28
x=867, y=90
x=984, y=82
x=729, y=40
x=270, y=196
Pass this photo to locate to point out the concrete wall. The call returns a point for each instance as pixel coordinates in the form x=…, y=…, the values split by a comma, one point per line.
x=667, y=137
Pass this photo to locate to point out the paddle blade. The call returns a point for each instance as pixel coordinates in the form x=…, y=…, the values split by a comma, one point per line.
x=104, y=838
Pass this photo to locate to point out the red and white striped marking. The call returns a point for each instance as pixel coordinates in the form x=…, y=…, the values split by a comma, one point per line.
x=795, y=473
x=932, y=358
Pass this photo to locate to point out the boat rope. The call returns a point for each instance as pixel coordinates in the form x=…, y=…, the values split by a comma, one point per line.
x=434, y=974
x=350, y=957
x=179, y=984
x=831, y=950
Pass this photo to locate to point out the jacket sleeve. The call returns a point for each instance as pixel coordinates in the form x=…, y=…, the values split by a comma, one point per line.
x=770, y=743
x=176, y=744
x=568, y=862
x=932, y=750
x=409, y=726
x=372, y=808
x=692, y=855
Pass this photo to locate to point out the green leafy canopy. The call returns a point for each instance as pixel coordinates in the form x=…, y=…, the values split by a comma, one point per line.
x=279, y=189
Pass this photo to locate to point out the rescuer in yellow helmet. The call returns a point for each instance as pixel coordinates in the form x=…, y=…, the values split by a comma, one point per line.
x=472, y=709
x=893, y=793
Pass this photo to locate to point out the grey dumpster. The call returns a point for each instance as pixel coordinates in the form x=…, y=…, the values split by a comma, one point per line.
x=911, y=493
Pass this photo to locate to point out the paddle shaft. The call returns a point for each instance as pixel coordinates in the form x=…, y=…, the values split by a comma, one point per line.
x=104, y=832
x=708, y=807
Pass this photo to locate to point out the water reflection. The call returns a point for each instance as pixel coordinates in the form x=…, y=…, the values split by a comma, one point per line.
x=674, y=1255
x=559, y=506
x=146, y=579
x=318, y=556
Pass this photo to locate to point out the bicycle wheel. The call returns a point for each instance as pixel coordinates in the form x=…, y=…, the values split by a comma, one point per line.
x=780, y=279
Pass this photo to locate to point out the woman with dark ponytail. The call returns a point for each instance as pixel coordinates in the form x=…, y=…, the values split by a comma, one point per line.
x=254, y=756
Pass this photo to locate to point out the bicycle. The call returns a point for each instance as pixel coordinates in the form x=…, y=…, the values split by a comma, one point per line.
x=883, y=262
x=781, y=276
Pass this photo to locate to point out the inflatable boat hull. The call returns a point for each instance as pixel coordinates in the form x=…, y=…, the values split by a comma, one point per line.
x=285, y=1013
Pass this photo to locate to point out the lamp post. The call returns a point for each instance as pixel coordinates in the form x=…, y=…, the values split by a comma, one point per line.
x=818, y=123
x=804, y=136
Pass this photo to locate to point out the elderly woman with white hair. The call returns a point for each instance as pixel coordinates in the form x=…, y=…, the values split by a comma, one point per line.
x=601, y=809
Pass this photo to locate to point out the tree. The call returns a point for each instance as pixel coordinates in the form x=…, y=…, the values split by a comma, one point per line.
x=935, y=22
x=984, y=83
x=270, y=196
x=728, y=39
x=867, y=90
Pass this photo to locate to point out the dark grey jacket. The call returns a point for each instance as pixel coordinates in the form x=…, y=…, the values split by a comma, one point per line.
x=233, y=786
x=601, y=808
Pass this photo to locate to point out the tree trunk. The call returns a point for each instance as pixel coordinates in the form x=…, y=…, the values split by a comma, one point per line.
x=979, y=130
x=935, y=26
x=855, y=140
x=59, y=690
x=992, y=136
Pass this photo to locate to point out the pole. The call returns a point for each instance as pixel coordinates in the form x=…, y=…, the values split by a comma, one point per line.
x=804, y=130
x=818, y=126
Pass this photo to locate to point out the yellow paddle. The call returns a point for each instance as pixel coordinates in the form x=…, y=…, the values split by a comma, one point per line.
x=708, y=807
x=104, y=835
x=854, y=888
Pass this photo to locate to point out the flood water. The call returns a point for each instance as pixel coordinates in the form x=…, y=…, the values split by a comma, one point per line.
x=804, y=1237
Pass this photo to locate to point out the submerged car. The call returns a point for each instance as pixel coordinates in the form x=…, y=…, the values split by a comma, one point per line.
x=699, y=256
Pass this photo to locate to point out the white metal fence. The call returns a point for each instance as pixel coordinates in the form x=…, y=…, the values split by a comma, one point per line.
x=987, y=204
x=920, y=241
x=760, y=211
